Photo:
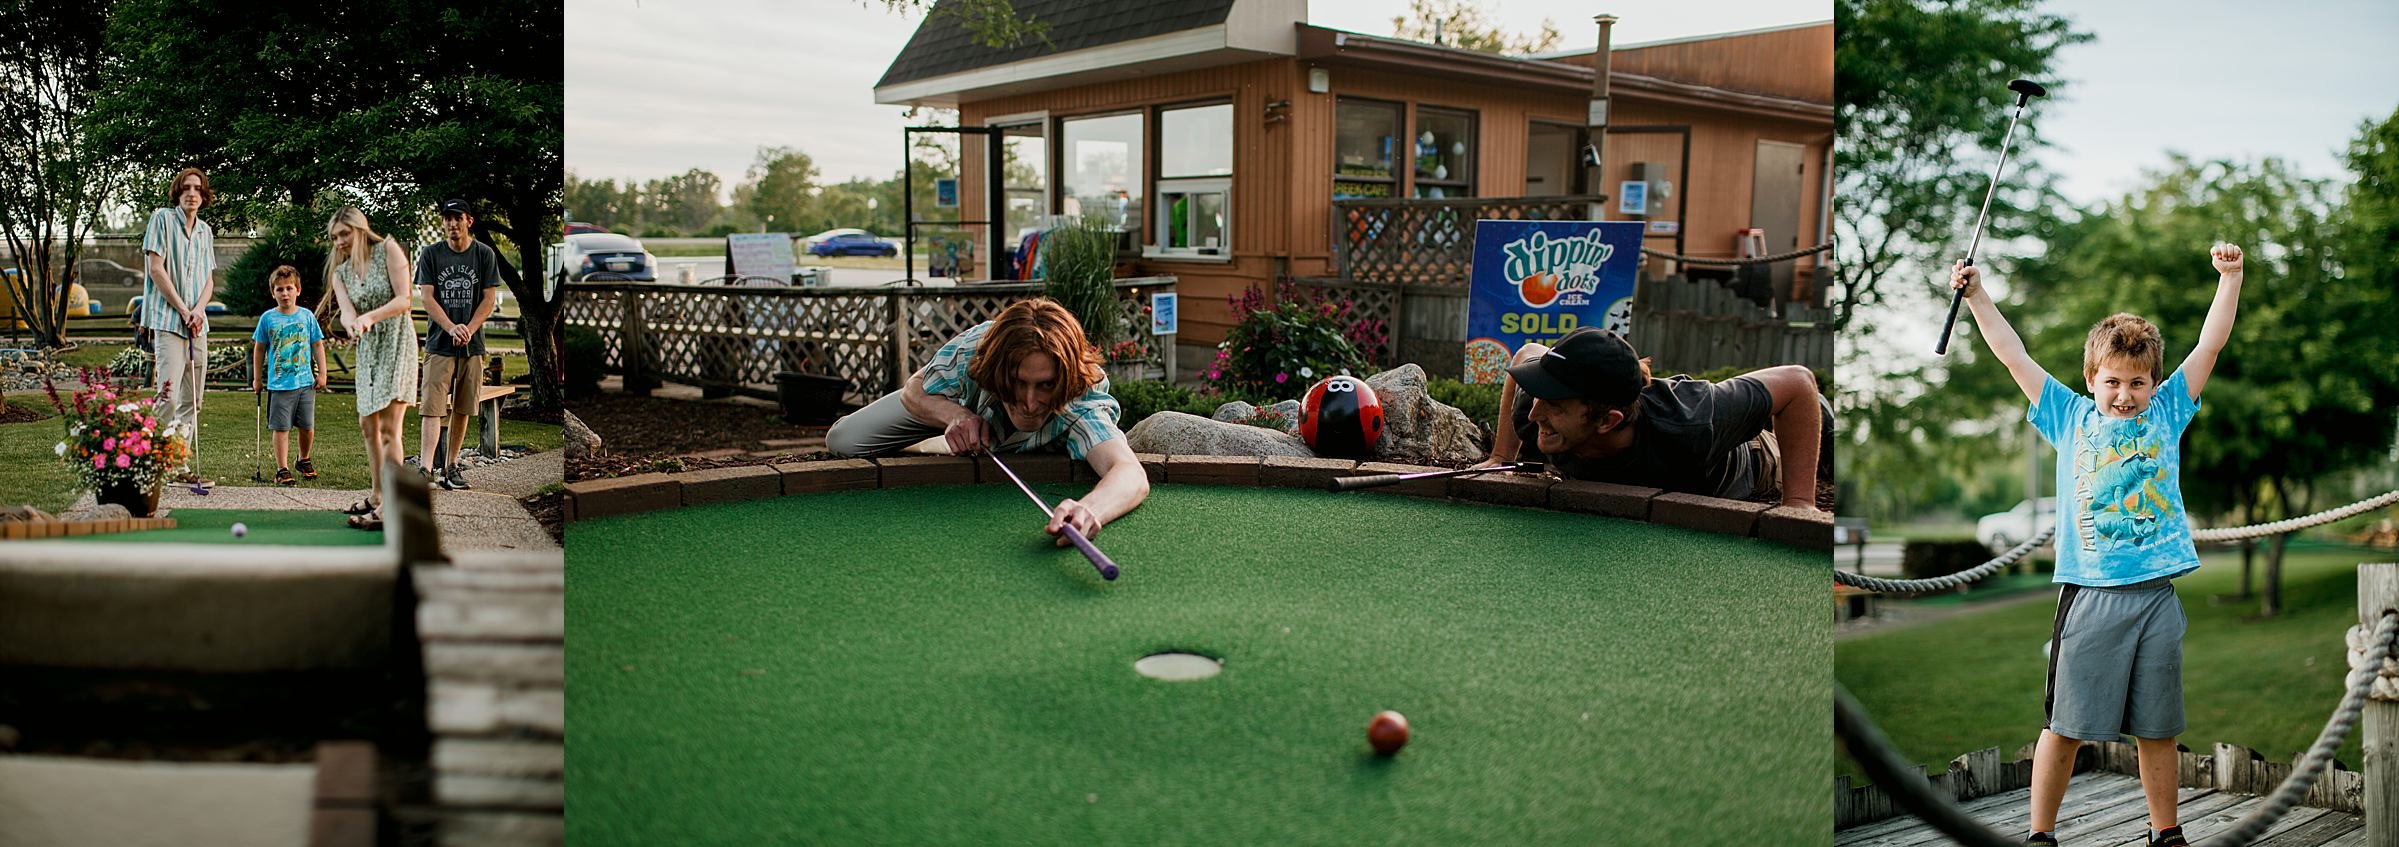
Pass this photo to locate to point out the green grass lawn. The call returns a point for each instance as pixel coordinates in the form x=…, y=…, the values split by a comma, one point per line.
x=1950, y=687
x=35, y=475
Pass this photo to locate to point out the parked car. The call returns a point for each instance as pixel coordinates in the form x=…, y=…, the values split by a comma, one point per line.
x=853, y=244
x=809, y=242
x=2007, y=529
x=583, y=254
x=576, y=227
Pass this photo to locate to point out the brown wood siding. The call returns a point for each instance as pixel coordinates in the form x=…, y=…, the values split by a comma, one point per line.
x=1794, y=63
x=1724, y=160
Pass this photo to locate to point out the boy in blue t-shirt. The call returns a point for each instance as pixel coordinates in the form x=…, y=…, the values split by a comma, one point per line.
x=2115, y=664
x=291, y=347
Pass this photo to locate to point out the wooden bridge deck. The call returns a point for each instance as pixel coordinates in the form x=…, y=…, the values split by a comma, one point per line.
x=2106, y=810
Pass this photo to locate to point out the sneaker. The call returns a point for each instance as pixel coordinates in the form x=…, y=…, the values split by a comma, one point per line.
x=2040, y=839
x=307, y=468
x=2169, y=837
x=455, y=480
x=283, y=476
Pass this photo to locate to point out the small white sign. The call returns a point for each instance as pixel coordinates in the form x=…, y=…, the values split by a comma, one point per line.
x=1665, y=227
x=1632, y=197
x=1163, y=317
x=766, y=254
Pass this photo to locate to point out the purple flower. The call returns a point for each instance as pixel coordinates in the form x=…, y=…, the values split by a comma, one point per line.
x=1280, y=378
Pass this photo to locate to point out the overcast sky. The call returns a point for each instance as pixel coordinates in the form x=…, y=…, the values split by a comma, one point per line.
x=656, y=87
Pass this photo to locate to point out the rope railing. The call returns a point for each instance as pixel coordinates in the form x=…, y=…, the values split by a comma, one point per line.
x=2219, y=535
x=2371, y=670
x=1655, y=253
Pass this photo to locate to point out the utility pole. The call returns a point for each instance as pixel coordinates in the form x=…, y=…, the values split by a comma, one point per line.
x=1597, y=122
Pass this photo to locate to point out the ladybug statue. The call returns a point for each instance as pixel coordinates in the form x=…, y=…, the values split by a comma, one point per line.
x=1341, y=417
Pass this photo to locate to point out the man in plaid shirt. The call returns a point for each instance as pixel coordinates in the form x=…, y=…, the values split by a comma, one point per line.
x=1027, y=380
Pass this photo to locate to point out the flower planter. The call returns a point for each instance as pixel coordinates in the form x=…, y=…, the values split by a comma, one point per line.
x=136, y=500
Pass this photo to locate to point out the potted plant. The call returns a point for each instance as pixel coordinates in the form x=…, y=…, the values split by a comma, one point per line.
x=117, y=445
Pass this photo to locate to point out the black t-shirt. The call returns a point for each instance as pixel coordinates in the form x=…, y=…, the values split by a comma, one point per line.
x=458, y=278
x=1690, y=438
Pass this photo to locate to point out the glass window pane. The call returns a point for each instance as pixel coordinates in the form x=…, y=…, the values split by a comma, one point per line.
x=1207, y=221
x=1196, y=141
x=1364, y=137
x=1101, y=169
x=1027, y=172
x=1444, y=153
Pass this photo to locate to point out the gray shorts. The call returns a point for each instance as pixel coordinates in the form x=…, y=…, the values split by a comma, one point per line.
x=2115, y=663
x=292, y=409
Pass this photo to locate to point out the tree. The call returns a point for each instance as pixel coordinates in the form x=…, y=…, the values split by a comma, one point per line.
x=390, y=105
x=1920, y=107
x=687, y=201
x=602, y=202
x=779, y=190
x=2303, y=392
x=1461, y=24
x=993, y=23
x=55, y=178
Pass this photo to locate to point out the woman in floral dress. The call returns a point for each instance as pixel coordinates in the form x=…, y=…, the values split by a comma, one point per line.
x=368, y=275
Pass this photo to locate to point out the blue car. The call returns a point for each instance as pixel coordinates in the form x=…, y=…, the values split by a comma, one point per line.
x=853, y=244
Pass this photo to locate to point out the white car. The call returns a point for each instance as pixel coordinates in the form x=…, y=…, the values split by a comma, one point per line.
x=607, y=255
x=2005, y=530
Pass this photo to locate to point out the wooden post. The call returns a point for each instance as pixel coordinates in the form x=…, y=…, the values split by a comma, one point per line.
x=633, y=341
x=2377, y=590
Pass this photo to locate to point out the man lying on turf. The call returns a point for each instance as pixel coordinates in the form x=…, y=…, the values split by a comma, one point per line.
x=1025, y=381
x=1597, y=415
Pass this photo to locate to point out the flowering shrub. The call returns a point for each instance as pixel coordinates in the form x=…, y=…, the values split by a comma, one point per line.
x=132, y=362
x=113, y=438
x=1280, y=350
x=1129, y=350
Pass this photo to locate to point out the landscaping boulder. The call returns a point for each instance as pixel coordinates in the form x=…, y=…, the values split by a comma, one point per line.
x=1287, y=411
x=1179, y=434
x=580, y=440
x=1419, y=430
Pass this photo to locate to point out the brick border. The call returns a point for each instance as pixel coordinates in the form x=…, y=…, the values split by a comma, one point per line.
x=1802, y=528
x=37, y=530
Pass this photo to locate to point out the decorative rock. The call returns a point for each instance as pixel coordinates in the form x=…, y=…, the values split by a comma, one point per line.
x=1234, y=411
x=1286, y=411
x=1418, y=429
x=580, y=440
x=1179, y=434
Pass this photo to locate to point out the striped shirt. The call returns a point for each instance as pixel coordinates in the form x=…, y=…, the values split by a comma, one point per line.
x=191, y=256
x=1086, y=422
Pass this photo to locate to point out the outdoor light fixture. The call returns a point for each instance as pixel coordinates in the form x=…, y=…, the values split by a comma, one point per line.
x=1319, y=80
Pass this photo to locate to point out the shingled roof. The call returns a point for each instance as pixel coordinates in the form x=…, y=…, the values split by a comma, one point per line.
x=941, y=46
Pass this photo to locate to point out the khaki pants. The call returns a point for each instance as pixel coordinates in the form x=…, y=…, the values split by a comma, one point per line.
x=449, y=385
x=182, y=368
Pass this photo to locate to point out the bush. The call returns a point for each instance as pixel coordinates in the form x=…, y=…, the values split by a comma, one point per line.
x=1480, y=402
x=1079, y=271
x=295, y=238
x=1145, y=397
x=660, y=232
x=1928, y=558
x=584, y=351
x=1281, y=349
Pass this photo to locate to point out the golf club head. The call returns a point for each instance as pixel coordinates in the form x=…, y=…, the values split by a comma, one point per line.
x=2026, y=90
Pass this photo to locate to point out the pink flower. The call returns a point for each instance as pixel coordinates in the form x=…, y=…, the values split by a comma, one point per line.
x=109, y=444
x=1215, y=374
x=1282, y=377
x=149, y=422
x=99, y=461
x=124, y=460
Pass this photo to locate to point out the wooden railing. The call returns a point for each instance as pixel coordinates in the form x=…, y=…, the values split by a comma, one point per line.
x=735, y=339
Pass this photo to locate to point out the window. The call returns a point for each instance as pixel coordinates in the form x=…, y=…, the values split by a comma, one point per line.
x=1026, y=169
x=1099, y=166
x=1363, y=137
x=1444, y=153
x=1195, y=178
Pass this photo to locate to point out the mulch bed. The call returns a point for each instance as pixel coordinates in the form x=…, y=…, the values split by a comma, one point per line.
x=21, y=412
x=634, y=425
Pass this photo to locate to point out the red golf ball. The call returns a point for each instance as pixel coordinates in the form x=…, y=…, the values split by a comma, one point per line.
x=1387, y=732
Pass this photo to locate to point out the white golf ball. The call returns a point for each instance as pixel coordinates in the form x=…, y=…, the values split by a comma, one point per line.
x=240, y=530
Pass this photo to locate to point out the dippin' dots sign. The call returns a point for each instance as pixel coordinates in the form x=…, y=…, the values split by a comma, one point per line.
x=1546, y=269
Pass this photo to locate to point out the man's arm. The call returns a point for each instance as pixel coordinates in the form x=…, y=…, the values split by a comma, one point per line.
x=2218, y=330
x=166, y=291
x=1798, y=428
x=1997, y=334
x=1504, y=443
x=966, y=432
x=482, y=313
x=1122, y=486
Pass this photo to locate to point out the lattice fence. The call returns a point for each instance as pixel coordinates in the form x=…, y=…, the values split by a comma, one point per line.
x=1430, y=242
x=739, y=338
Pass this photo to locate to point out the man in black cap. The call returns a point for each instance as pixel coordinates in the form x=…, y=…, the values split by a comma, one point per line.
x=457, y=277
x=1596, y=414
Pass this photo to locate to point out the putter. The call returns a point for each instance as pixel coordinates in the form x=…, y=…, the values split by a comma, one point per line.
x=258, y=427
x=2025, y=90
x=1107, y=567
x=191, y=351
x=1352, y=483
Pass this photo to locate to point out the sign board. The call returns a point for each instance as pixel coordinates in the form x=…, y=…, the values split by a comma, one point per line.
x=1538, y=280
x=766, y=254
x=1632, y=197
x=1163, y=317
x=1665, y=227
x=945, y=192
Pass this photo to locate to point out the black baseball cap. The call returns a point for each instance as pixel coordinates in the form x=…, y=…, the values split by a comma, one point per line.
x=1590, y=364
x=455, y=206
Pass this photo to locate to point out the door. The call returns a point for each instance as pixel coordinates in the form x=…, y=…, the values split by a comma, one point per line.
x=1774, y=205
x=1550, y=160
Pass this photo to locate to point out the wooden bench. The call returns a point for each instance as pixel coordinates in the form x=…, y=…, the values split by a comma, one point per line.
x=487, y=411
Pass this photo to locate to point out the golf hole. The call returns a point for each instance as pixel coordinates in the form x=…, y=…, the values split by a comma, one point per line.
x=1177, y=667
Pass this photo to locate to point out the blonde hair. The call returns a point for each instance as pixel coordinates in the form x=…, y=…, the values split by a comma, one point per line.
x=334, y=255
x=2128, y=337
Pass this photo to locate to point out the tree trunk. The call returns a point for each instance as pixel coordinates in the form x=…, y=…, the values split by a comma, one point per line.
x=2273, y=602
x=537, y=318
x=2248, y=548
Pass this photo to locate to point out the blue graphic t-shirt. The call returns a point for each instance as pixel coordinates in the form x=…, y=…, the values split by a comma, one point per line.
x=290, y=339
x=2119, y=483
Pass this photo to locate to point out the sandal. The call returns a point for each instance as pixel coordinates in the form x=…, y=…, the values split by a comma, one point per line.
x=359, y=508
x=371, y=521
x=283, y=476
x=307, y=468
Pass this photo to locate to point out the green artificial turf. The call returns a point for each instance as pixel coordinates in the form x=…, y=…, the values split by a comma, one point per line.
x=1949, y=687
x=920, y=666
x=228, y=427
x=311, y=528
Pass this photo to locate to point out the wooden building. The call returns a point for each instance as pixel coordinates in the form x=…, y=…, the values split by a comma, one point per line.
x=1221, y=133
